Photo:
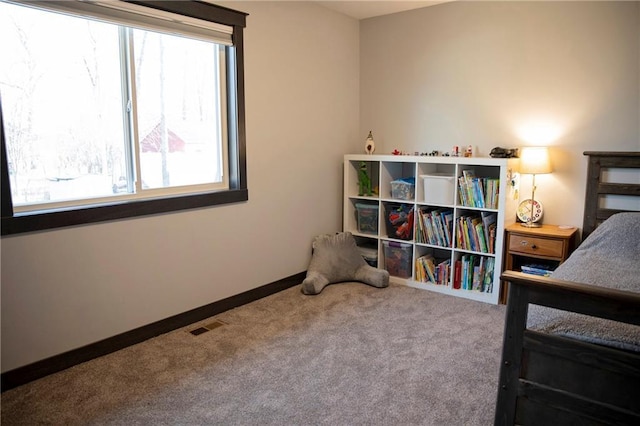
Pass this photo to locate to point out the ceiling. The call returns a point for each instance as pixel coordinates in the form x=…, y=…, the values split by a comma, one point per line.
x=362, y=9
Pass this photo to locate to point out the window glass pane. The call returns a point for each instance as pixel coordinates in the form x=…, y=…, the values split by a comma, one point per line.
x=178, y=113
x=62, y=104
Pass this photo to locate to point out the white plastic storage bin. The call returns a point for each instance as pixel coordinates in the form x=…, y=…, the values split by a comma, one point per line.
x=438, y=188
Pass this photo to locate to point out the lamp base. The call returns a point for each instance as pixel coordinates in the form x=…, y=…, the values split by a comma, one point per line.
x=530, y=225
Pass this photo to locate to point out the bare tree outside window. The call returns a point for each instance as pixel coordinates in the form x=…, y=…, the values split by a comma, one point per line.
x=178, y=116
x=60, y=93
x=61, y=83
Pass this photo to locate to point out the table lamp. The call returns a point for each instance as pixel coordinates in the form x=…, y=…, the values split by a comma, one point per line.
x=534, y=161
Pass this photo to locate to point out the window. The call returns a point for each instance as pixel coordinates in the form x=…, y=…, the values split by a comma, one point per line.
x=112, y=110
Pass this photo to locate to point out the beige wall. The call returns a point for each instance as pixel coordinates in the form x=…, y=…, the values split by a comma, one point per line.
x=507, y=74
x=67, y=288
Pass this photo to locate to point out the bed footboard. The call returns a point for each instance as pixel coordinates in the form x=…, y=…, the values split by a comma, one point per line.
x=548, y=379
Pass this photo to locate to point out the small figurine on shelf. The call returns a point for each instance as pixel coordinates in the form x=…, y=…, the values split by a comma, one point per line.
x=364, y=181
x=469, y=151
x=369, y=145
x=396, y=152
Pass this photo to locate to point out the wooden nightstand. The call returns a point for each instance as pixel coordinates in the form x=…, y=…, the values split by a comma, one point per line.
x=548, y=245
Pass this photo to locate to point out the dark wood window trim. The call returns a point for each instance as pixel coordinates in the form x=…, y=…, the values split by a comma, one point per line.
x=15, y=223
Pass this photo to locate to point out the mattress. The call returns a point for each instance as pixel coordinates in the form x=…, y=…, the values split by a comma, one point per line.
x=609, y=257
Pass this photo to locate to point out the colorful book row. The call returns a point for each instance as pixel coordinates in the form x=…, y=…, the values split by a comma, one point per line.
x=541, y=270
x=477, y=233
x=434, y=227
x=428, y=269
x=473, y=272
x=478, y=192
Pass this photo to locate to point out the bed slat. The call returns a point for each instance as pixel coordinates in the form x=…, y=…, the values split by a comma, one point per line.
x=608, y=375
x=586, y=299
x=619, y=189
x=627, y=363
x=543, y=405
x=593, y=214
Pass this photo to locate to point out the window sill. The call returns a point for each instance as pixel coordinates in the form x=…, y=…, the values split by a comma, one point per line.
x=40, y=221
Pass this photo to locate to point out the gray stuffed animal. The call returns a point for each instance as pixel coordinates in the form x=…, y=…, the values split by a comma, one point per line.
x=336, y=259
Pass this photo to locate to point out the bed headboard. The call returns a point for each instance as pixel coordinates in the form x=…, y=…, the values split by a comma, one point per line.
x=594, y=214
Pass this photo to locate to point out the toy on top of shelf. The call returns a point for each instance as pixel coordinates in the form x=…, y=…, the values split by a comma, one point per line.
x=364, y=181
x=369, y=145
x=397, y=152
x=499, y=152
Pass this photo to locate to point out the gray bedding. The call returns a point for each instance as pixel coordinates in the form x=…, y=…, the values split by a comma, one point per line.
x=609, y=257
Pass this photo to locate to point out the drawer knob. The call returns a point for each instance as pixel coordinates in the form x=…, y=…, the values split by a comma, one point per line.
x=534, y=246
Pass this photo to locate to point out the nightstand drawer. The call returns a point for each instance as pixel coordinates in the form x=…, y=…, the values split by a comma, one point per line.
x=536, y=246
x=548, y=245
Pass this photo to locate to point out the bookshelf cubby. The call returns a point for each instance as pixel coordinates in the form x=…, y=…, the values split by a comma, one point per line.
x=459, y=211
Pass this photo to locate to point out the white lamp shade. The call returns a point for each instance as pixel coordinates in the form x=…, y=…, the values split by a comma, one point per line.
x=535, y=160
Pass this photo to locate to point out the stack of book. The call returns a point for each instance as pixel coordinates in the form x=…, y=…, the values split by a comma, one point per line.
x=478, y=192
x=542, y=270
x=472, y=272
x=434, y=227
x=477, y=233
x=429, y=269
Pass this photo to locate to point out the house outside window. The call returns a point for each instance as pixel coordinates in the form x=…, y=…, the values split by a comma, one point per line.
x=108, y=112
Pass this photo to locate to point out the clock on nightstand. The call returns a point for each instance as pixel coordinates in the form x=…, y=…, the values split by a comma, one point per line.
x=536, y=249
x=528, y=209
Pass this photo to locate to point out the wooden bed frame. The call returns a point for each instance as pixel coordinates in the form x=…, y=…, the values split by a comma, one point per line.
x=547, y=379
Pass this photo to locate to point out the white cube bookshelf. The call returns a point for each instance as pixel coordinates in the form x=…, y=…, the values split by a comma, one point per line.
x=437, y=187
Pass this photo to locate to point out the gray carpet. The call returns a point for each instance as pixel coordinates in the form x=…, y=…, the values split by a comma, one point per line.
x=353, y=355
